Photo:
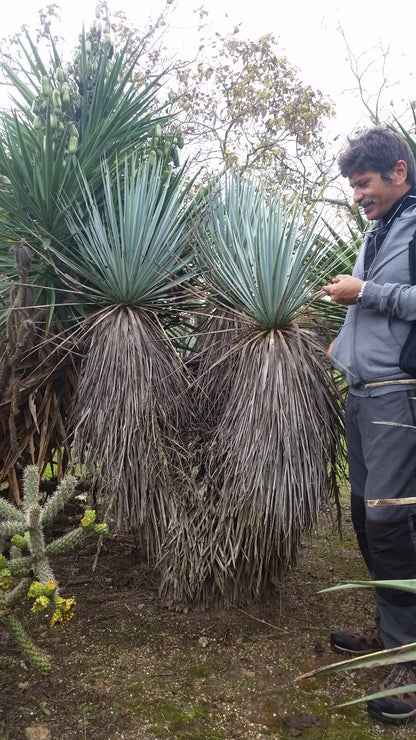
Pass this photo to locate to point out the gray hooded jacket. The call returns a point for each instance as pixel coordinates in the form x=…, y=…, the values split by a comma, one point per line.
x=368, y=347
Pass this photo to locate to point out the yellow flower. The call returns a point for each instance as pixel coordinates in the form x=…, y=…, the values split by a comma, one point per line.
x=56, y=619
x=41, y=603
x=64, y=611
x=88, y=518
x=50, y=588
x=36, y=589
x=69, y=608
x=6, y=579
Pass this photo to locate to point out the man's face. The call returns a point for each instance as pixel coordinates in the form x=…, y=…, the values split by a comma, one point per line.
x=375, y=195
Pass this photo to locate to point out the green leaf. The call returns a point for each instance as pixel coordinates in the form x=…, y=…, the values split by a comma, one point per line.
x=258, y=255
x=381, y=694
x=401, y=585
x=130, y=246
x=380, y=658
x=113, y=116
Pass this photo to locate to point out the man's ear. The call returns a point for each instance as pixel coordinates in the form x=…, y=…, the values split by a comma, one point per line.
x=399, y=172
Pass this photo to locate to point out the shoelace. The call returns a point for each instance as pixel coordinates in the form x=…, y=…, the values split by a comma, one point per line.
x=369, y=630
x=401, y=675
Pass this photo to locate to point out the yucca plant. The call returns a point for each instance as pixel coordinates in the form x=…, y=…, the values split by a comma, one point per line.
x=66, y=120
x=408, y=132
x=347, y=247
x=269, y=413
x=131, y=407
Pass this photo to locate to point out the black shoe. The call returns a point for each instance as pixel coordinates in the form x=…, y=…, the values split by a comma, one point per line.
x=398, y=708
x=359, y=642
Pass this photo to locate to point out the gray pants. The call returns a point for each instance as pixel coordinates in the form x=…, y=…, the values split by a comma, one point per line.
x=382, y=464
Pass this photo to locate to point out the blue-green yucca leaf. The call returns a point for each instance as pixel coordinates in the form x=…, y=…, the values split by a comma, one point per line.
x=130, y=246
x=400, y=654
x=382, y=657
x=258, y=254
x=406, y=584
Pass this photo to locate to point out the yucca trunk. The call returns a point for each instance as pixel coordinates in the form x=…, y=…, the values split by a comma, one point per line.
x=129, y=417
x=269, y=434
x=268, y=451
x=37, y=382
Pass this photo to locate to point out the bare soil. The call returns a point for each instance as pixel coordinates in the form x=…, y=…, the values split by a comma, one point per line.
x=125, y=668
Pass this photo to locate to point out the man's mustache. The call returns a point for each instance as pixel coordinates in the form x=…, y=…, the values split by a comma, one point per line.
x=366, y=202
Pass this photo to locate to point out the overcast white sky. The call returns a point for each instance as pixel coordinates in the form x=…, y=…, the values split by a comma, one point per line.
x=306, y=30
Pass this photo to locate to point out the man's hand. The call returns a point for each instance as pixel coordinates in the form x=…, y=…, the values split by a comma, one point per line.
x=331, y=347
x=344, y=289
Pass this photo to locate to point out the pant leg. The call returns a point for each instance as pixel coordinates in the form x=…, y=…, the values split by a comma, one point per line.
x=357, y=476
x=389, y=455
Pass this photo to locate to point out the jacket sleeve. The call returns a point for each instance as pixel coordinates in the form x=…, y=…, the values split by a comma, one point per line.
x=390, y=299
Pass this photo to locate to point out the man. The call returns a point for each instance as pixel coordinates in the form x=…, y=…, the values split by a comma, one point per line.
x=381, y=409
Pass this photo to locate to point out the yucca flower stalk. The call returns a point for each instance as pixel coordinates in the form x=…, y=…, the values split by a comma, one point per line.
x=269, y=411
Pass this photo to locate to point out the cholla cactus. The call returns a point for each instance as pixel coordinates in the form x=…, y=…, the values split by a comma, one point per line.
x=27, y=571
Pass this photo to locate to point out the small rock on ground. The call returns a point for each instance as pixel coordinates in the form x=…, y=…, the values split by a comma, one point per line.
x=38, y=732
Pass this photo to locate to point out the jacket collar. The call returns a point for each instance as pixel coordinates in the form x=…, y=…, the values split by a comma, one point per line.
x=399, y=206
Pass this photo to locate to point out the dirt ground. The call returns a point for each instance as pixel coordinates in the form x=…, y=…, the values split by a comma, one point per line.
x=127, y=669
